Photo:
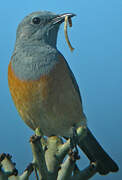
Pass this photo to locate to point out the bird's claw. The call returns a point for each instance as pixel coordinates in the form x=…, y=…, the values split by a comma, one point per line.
x=73, y=143
x=34, y=138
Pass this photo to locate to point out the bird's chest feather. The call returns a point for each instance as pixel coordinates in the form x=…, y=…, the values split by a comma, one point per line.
x=50, y=98
x=46, y=90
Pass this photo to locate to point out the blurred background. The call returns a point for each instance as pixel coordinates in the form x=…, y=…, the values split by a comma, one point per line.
x=96, y=63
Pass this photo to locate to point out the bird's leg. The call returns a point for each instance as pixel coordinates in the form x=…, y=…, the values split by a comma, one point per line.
x=74, y=141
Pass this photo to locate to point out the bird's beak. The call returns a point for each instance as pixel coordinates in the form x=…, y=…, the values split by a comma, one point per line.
x=60, y=18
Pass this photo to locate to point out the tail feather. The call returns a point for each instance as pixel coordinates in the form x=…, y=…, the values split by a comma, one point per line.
x=96, y=153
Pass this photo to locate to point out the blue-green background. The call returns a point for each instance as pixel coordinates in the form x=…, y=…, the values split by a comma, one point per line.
x=96, y=63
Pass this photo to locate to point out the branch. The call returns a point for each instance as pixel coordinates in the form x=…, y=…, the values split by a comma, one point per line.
x=65, y=148
x=67, y=168
x=10, y=171
x=87, y=173
x=48, y=160
x=38, y=156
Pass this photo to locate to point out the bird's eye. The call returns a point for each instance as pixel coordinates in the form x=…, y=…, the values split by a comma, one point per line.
x=36, y=20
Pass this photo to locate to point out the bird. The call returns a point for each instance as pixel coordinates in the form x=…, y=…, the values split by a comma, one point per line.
x=44, y=89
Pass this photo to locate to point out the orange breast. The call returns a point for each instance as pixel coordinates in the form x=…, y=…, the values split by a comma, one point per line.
x=26, y=94
x=51, y=103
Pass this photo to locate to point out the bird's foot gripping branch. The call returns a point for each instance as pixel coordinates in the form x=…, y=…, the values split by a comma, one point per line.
x=48, y=161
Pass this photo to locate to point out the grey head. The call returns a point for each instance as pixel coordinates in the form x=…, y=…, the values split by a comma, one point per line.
x=40, y=26
x=35, y=50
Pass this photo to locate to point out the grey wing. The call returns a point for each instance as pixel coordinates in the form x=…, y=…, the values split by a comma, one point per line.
x=74, y=82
